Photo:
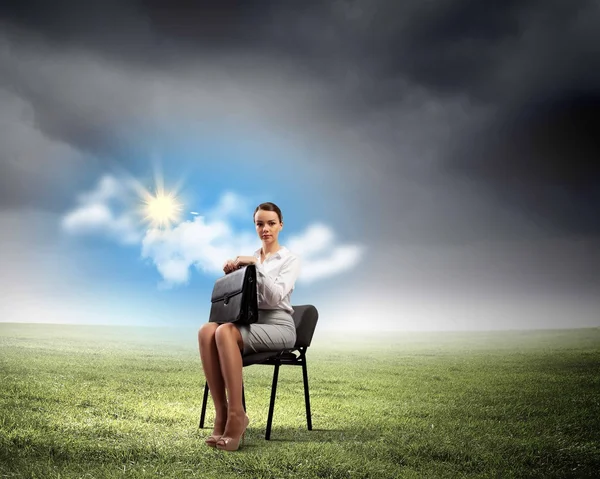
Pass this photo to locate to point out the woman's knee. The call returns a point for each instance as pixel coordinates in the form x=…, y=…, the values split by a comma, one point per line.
x=207, y=331
x=226, y=331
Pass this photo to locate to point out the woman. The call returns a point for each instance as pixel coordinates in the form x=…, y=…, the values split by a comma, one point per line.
x=222, y=345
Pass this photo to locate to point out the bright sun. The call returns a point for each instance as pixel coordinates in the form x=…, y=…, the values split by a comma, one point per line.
x=158, y=207
x=161, y=209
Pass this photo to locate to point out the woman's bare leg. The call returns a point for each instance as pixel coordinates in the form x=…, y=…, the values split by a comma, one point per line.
x=230, y=345
x=212, y=372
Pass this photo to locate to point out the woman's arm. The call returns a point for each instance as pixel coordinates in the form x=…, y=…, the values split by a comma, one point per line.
x=272, y=291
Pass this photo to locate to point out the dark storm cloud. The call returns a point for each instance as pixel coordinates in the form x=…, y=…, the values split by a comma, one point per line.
x=466, y=46
x=539, y=151
x=383, y=64
x=143, y=31
x=535, y=67
x=447, y=45
x=544, y=160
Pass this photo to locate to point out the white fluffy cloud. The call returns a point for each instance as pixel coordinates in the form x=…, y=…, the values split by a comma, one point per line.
x=204, y=242
x=321, y=256
x=96, y=215
x=199, y=243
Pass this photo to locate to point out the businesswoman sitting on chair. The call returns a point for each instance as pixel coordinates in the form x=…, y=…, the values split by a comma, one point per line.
x=222, y=345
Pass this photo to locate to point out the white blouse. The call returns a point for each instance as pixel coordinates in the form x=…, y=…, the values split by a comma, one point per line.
x=276, y=278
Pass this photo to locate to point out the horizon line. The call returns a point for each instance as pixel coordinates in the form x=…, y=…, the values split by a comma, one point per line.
x=322, y=329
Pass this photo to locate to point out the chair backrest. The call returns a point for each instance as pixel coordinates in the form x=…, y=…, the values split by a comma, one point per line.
x=305, y=318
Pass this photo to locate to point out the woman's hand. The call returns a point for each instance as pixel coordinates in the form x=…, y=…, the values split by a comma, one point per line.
x=228, y=267
x=237, y=263
x=241, y=261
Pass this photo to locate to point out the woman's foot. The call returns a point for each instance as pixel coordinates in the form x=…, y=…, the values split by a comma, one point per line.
x=218, y=429
x=234, y=432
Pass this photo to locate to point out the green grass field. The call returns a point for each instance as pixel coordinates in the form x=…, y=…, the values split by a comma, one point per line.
x=95, y=402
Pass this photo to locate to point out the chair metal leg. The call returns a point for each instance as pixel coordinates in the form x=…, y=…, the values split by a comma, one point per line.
x=272, y=403
x=204, y=401
x=306, y=394
x=243, y=397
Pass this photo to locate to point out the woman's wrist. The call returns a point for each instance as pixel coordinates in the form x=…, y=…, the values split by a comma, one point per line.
x=244, y=260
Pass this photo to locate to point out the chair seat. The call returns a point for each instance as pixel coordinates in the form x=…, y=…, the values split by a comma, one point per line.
x=270, y=357
x=258, y=358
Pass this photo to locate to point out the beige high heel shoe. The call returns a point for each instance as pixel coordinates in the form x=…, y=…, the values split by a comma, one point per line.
x=230, y=443
x=212, y=440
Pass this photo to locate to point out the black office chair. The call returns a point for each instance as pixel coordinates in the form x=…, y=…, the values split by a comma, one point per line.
x=305, y=318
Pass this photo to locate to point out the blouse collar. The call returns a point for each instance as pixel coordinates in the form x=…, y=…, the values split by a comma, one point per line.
x=280, y=253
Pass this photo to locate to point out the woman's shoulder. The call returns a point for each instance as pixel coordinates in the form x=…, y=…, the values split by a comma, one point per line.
x=288, y=257
x=290, y=260
x=286, y=253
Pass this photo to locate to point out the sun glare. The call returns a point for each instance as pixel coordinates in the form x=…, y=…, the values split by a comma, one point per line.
x=162, y=209
x=158, y=207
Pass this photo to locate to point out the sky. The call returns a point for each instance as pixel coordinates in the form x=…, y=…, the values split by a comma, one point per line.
x=436, y=162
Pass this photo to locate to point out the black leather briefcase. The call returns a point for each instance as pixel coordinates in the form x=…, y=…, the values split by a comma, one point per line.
x=234, y=297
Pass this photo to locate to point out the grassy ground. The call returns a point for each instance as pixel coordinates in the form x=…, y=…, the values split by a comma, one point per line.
x=96, y=402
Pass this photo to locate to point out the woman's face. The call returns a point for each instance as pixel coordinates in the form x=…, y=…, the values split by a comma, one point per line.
x=267, y=225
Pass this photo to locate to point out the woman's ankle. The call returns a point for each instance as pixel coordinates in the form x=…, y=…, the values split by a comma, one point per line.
x=221, y=411
x=236, y=411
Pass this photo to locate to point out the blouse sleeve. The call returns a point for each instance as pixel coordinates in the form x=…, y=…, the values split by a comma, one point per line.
x=272, y=291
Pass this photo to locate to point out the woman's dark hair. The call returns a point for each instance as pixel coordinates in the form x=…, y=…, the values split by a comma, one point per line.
x=269, y=207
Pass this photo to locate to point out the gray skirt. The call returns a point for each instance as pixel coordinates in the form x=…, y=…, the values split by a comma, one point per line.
x=274, y=330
